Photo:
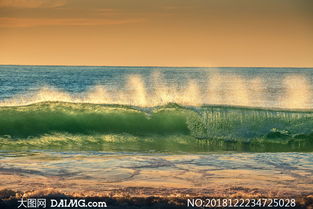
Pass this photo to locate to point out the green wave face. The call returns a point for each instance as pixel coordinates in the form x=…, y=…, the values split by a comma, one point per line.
x=46, y=118
x=170, y=128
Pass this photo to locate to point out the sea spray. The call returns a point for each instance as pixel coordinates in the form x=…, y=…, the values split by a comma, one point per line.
x=235, y=90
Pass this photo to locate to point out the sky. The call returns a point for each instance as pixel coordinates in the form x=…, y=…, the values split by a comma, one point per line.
x=219, y=33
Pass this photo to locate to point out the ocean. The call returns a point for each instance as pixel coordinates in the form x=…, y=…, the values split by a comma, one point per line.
x=158, y=130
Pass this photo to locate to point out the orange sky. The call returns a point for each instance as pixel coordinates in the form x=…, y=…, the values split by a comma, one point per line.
x=157, y=32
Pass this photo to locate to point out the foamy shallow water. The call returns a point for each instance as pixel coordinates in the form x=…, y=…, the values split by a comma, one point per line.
x=98, y=172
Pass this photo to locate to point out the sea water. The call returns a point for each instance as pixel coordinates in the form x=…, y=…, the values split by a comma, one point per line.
x=190, y=128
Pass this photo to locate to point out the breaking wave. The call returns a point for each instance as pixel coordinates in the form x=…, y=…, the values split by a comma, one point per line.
x=168, y=127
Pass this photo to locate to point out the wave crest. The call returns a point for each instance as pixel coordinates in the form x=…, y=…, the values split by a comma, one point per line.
x=295, y=93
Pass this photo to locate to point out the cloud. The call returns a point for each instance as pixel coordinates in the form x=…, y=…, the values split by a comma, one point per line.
x=34, y=22
x=32, y=3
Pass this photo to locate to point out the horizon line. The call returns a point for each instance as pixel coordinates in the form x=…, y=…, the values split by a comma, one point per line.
x=160, y=66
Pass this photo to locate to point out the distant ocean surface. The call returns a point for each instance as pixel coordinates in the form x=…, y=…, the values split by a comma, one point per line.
x=151, y=86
